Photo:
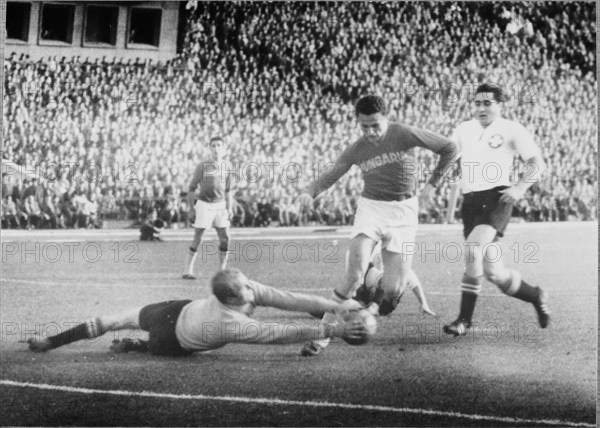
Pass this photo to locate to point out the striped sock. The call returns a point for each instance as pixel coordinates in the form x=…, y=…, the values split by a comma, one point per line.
x=470, y=287
x=86, y=330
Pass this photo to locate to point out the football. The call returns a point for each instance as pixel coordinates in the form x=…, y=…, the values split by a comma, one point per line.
x=368, y=321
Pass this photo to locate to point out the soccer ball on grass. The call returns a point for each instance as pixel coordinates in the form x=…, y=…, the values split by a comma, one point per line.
x=368, y=321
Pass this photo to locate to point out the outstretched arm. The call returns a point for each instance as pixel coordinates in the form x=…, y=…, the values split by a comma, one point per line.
x=265, y=295
x=327, y=178
x=454, y=192
x=255, y=332
x=446, y=148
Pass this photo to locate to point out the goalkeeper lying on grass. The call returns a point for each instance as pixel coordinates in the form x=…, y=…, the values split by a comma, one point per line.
x=181, y=327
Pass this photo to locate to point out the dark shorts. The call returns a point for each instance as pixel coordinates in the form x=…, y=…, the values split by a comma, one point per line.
x=485, y=208
x=159, y=320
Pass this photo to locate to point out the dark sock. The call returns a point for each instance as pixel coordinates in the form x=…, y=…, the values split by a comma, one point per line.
x=471, y=287
x=527, y=292
x=86, y=330
x=467, y=306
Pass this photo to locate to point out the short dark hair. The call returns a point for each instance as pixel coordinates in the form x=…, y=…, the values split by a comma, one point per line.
x=370, y=104
x=227, y=286
x=217, y=138
x=496, y=90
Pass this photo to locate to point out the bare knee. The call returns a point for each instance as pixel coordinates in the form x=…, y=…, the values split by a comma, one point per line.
x=128, y=319
x=496, y=274
x=473, y=255
x=474, y=261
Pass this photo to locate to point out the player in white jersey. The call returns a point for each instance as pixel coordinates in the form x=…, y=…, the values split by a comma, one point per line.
x=182, y=327
x=211, y=185
x=488, y=147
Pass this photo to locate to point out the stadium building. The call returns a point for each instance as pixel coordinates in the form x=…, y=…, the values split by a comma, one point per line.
x=123, y=30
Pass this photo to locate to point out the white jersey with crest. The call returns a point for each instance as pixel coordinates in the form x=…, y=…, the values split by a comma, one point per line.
x=488, y=153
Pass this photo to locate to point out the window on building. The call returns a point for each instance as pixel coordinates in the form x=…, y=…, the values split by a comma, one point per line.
x=57, y=22
x=144, y=26
x=101, y=24
x=17, y=20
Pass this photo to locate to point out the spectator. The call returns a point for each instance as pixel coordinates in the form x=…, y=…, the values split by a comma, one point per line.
x=285, y=97
x=10, y=215
x=151, y=227
x=33, y=212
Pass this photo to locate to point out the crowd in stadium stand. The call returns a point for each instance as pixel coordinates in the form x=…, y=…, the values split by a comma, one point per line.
x=118, y=139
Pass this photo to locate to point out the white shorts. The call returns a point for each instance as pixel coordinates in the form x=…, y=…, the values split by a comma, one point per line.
x=391, y=222
x=211, y=214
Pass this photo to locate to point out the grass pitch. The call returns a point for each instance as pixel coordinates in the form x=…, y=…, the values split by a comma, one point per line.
x=507, y=372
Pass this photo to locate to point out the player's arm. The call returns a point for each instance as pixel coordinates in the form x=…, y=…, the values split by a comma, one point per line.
x=534, y=165
x=455, y=184
x=452, y=201
x=229, y=195
x=445, y=148
x=442, y=146
x=255, y=332
x=265, y=295
x=193, y=187
x=417, y=290
x=332, y=174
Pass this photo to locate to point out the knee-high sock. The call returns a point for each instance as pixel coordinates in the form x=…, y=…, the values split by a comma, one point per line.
x=470, y=287
x=86, y=330
x=190, y=260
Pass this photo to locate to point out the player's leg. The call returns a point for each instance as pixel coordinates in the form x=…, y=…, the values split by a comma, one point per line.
x=160, y=321
x=472, y=279
x=396, y=263
x=223, y=234
x=509, y=281
x=361, y=247
x=221, y=223
x=396, y=268
x=90, y=329
x=192, y=254
x=373, y=278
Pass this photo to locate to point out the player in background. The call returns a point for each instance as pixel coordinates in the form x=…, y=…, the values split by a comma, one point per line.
x=488, y=146
x=387, y=210
x=211, y=185
x=181, y=327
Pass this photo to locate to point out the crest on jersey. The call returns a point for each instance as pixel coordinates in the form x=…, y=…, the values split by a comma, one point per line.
x=496, y=141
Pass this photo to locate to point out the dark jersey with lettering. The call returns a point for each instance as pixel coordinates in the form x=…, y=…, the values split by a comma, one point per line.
x=390, y=169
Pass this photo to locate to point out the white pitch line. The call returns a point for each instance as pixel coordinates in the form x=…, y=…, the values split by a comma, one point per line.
x=276, y=401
